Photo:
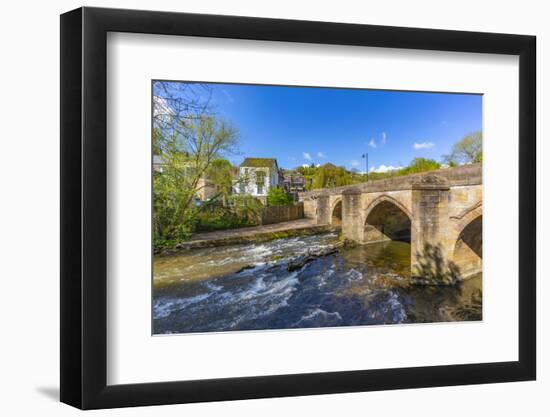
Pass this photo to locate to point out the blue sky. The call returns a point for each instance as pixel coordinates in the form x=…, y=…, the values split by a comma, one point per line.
x=300, y=125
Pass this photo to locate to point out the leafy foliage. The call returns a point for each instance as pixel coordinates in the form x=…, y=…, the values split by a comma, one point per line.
x=220, y=174
x=190, y=149
x=276, y=196
x=468, y=150
x=420, y=165
x=241, y=211
x=172, y=219
x=329, y=175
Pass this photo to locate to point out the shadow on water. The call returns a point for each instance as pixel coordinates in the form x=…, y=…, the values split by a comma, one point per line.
x=254, y=288
x=460, y=302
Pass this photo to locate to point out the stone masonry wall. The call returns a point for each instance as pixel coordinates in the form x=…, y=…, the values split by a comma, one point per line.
x=431, y=247
x=352, y=220
x=278, y=214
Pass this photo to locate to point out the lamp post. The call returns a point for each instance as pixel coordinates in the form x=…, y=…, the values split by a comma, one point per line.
x=366, y=156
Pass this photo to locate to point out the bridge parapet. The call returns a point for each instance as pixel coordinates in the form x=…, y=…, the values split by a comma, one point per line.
x=458, y=176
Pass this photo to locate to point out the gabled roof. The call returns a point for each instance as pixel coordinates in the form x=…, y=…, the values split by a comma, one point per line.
x=259, y=162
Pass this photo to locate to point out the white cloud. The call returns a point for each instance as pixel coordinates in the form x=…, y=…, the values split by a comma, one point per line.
x=384, y=168
x=307, y=156
x=305, y=165
x=321, y=154
x=423, y=145
x=318, y=165
x=354, y=163
x=381, y=142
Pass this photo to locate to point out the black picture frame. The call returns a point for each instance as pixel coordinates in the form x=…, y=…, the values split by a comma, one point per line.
x=84, y=207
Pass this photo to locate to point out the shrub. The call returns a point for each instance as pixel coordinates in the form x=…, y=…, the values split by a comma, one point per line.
x=276, y=196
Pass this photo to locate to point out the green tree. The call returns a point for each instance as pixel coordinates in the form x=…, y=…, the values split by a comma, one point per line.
x=220, y=174
x=308, y=173
x=330, y=175
x=468, y=150
x=203, y=140
x=172, y=220
x=276, y=196
x=188, y=155
x=420, y=165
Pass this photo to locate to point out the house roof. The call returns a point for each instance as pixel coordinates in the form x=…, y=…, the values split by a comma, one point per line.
x=259, y=162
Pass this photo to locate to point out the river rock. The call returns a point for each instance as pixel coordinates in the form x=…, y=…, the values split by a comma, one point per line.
x=300, y=261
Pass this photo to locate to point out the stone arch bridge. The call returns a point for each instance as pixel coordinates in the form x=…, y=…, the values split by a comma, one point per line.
x=439, y=213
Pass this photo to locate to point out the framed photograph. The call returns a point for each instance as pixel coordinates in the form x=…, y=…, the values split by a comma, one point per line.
x=255, y=208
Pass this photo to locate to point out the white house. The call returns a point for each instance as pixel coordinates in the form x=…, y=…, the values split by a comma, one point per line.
x=256, y=177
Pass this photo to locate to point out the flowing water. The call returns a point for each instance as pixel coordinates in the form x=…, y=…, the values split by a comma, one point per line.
x=260, y=286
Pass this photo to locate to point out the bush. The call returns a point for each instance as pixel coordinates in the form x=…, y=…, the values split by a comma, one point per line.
x=172, y=222
x=276, y=196
x=420, y=165
x=247, y=207
x=242, y=211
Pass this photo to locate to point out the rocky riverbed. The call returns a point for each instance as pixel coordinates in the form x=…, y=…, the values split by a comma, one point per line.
x=300, y=282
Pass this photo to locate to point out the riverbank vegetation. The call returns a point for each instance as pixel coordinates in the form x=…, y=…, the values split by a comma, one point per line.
x=236, y=212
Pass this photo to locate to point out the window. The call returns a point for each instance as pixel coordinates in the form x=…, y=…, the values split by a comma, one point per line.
x=260, y=181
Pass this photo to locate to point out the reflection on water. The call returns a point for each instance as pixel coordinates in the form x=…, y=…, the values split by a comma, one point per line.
x=244, y=287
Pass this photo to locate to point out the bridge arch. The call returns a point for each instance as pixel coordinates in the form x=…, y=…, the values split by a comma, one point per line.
x=466, y=216
x=336, y=212
x=387, y=219
x=468, y=248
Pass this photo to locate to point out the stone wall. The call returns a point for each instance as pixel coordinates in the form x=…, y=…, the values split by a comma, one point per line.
x=431, y=243
x=278, y=214
x=352, y=221
x=310, y=208
x=463, y=199
x=468, y=248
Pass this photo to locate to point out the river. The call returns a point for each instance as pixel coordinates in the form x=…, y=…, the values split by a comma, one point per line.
x=251, y=287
